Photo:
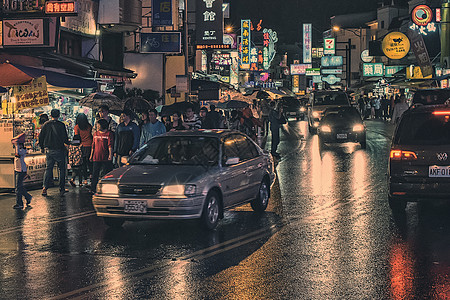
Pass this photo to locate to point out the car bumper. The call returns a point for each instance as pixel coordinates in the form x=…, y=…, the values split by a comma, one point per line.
x=416, y=191
x=333, y=137
x=157, y=208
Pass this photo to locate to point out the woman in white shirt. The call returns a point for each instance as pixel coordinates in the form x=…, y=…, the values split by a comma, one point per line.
x=20, y=171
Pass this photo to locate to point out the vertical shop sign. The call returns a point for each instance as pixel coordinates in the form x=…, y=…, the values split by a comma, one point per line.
x=329, y=46
x=307, y=31
x=234, y=70
x=295, y=83
x=31, y=95
x=209, y=22
x=161, y=12
x=246, y=44
x=420, y=51
x=254, y=59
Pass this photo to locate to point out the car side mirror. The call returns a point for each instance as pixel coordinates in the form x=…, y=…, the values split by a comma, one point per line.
x=232, y=161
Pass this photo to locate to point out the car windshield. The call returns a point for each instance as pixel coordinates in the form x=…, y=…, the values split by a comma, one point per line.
x=348, y=113
x=423, y=129
x=291, y=102
x=332, y=98
x=431, y=96
x=186, y=150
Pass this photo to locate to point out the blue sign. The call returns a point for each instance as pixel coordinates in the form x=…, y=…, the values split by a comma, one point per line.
x=161, y=42
x=331, y=61
x=331, y=79
x=161, y=12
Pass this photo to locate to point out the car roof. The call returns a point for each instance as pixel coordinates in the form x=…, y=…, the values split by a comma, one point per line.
x=214, y=133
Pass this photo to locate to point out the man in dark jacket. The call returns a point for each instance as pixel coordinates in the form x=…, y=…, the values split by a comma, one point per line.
x=53, y=141
x=126, y=141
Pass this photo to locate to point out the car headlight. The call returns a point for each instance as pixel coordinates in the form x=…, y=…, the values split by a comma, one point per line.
x=108, y=188
x=358, y=127
x=315, y=114
x=316, y=124
x=178, y=190
x=325, y=128
x=302, y=109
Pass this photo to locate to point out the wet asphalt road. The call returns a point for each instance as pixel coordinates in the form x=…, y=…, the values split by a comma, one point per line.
x=328, y=233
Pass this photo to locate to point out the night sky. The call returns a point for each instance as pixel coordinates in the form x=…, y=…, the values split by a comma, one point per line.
x=286, y=16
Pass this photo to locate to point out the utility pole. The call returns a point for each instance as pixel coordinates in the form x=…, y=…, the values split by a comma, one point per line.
x=186, y=50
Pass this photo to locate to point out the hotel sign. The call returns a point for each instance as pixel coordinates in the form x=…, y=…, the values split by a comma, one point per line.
x=209, y=17
x=64, y=8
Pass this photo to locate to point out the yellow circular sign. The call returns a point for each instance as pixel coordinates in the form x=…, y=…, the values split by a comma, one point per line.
x=395, y=45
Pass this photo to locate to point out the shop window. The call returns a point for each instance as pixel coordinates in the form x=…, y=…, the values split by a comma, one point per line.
x=70, y=44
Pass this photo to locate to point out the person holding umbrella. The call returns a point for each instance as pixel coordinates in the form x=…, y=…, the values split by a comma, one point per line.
x=127, y=137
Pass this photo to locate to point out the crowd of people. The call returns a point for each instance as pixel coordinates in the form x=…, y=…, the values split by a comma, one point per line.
x=383, y=107
x=97, y=149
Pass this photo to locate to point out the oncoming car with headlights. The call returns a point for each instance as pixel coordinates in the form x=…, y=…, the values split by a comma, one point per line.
x=187, y=175
x=319, y=102
x=341, y=125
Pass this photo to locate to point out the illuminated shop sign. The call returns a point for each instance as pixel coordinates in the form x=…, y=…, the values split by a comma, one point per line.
x=209, y=17
x=300, y=69
x=373, y=69
x=329, y=46
x=313, y=72
x=307, y=31
x=254, y=59
x=424, y=30
x=422, y=15
x=389, y=71
x=23, y=32
x=317, y=52
x=221, y=59
x=23, y=6
x=161, y=12
x=161, y=42
x=246, y=44
x=395, y=45
x=61, y=7
x=331, y=61
x=209, y=47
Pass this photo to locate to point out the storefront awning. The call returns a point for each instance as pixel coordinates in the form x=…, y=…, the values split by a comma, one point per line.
x=15, y=74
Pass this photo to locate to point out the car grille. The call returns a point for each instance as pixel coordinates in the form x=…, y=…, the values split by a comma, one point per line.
x=146, y=190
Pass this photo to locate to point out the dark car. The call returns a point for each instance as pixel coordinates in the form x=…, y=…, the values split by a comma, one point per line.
x=293, y=108
x=341, y=125
x=187, y=175
x=419, y=161
x=320, y=101
x=431, y=96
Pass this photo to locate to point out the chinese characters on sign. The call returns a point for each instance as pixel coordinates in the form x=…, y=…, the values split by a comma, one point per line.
x=331, y=61
x=161, y=42
x=246, y=44
x=209, y=22
x=32, y=95
x=307, y=31
x=373, y=69
x=421, y=53
x=161, y=12
x=300, y=69
x=60, y=7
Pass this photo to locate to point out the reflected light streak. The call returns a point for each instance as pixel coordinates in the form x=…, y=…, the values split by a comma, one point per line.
x=359, y=174
x=402, y=272
x=113, y=277
x=180, y=287
x=321, y=171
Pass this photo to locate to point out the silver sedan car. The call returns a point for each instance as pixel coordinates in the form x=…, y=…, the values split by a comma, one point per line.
x=187, y=175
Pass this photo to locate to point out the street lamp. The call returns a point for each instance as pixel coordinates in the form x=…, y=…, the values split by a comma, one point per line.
x=348, y=50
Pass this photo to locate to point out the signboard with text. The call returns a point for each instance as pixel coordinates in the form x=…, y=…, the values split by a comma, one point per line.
x=331, y=61
x=395, y=45
x=161, y=42
x=307, y=55
x=421, y=53
x=209, y=16
x=373, y=69
x=161, y=12
x=31, y=95
x=28, y=32
x=300, y=69
x=329, y=46
x=245, y=44
x=61, y=8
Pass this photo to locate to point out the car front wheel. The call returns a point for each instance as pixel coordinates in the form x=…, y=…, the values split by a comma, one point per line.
x=210, y=214
x=113, y=222
x=396, y=205
x=259, y=204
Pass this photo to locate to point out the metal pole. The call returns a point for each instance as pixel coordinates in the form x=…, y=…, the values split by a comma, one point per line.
x=186, y=48
x=349, y=69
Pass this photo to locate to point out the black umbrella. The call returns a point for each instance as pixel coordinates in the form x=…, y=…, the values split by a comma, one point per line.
x=138, y=104
x=232, y=104
x=95, y=100
x=181, y=107
x=262, y=95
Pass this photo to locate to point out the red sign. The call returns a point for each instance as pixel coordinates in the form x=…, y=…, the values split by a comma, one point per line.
x=422, y=15
x=60, y=7
x=207, y=47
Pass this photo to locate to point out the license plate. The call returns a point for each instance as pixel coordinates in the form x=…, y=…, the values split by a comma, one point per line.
x=292, y=113
x=136, y=207
x=439, y=171
x=341, y=136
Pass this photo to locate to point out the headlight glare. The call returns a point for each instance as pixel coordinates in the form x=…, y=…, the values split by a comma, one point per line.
x=325, y=128
x=108, y=188
x=178, y=190
x=315, y=114
x=358, y=127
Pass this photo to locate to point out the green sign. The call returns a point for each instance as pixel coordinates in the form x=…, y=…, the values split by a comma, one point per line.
x=313, y=72
x=373, y=69
x=389, y=71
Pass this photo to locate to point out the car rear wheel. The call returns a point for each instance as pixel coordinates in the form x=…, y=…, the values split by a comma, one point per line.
x=113, y=222
x=210, y=214
x=259, y=204
x=396, y=205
